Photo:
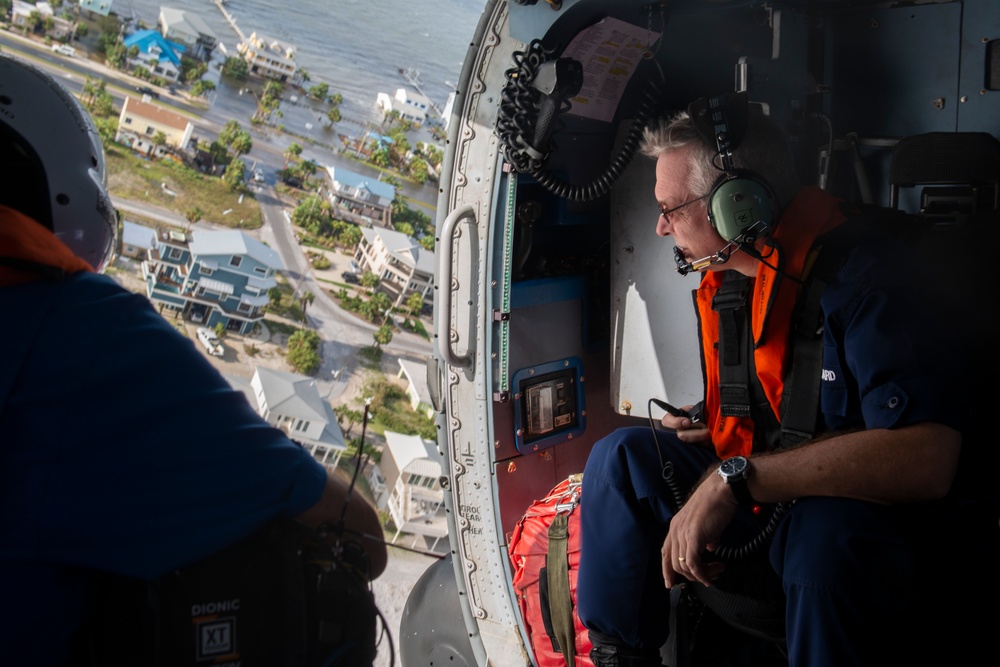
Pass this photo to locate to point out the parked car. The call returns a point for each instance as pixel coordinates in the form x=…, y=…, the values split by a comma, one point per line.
x=211, y=342
x=146, y=90
x=351, y=278
x=292, y=181
x=354, y=266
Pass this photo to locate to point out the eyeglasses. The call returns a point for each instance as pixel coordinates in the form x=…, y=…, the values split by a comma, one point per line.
x=666, y=212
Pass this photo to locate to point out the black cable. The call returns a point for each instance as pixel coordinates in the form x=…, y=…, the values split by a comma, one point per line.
x=740, y=552
x=666, y=467
x=517, y=117
x=357, y=469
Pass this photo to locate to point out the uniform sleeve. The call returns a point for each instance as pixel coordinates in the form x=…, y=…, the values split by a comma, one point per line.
x=889, y=358
x=135, y=454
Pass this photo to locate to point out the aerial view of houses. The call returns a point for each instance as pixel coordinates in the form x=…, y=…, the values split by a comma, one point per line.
x=211, y=277
x=360, y=199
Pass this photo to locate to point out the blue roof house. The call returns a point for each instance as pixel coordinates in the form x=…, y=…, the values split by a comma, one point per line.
x=157, y=54
x=360, y=199
x=211, y=277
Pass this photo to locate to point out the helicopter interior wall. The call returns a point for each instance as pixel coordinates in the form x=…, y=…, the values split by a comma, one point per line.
x=548, y=323
x=916, y=81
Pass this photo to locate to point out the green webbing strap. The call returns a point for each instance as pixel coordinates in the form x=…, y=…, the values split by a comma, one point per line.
x=730, y=303
x=560, y=602
x=802, y=387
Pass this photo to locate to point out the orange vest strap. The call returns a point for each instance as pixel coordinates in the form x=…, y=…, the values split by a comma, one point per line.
x=30, y=252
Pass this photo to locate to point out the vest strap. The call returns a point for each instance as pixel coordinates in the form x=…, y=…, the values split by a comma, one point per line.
x=734, y=369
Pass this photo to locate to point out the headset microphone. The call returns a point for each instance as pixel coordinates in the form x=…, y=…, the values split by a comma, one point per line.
x=745, y=242
x=685, y=267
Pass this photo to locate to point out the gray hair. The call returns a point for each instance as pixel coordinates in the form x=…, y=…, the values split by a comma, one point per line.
x=763, y=151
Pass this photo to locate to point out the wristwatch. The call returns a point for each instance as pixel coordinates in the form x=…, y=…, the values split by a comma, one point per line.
x=735, y=471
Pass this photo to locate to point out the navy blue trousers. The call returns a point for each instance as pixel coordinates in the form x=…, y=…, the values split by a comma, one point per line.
x=859, y=578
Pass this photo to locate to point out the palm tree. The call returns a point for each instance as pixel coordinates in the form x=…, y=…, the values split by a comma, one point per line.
x=293, y=151
x=383, y=336
x=305, y=300
x=193, y=215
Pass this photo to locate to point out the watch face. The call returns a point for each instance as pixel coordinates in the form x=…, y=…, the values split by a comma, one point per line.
x=733, y=467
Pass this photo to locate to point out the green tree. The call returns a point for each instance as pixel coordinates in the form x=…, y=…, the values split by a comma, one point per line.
x=333, y=115
x=235, y=138
x=369, y=280
x=235, y=174
x=382, y=304
x=235, y=68
x=201, y=87
x=274, y=295
x=433, y=154
x=107, y=127
x=268, y=102
x=242, y=144
x=218, y=152
x=303, y=354
x=383, y=336
x=427, y=242
x=193, y=215
x=160, y=139
x=293, y=151
x=313, y=215
x=306, y=299
x=307, y=168
x=418, y=170
x=349, y=415
x=351, y=237
x=192, y=70
x=115, y=56
x=415, y=303
x=319, y=91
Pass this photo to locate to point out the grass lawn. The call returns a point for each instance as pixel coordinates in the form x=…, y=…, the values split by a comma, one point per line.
x=165, y=183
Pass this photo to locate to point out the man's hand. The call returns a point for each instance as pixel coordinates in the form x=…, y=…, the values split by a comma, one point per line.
x=360, y=519
x=687, y=431
x=697, y=528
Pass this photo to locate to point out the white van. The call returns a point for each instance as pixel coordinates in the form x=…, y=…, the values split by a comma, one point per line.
x=64, y=49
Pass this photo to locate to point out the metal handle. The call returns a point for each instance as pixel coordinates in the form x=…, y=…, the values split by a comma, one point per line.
x=444, y=271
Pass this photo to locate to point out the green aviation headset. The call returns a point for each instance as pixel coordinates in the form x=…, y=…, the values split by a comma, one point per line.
x=740, y=204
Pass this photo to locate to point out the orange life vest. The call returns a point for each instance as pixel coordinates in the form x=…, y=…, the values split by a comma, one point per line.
x=771, y=304
x=23, y=239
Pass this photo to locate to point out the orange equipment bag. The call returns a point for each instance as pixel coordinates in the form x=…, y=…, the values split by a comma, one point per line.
x=544, y=551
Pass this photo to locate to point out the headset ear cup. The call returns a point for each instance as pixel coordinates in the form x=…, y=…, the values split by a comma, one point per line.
x=740, y=200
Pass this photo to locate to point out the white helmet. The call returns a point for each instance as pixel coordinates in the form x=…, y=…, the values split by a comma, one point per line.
x=54, y=162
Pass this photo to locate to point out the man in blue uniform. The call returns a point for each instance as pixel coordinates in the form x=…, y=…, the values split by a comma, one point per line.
x=122, y=450
x=873, y=491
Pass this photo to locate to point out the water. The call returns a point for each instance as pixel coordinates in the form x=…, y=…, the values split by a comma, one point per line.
x=355, y=46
